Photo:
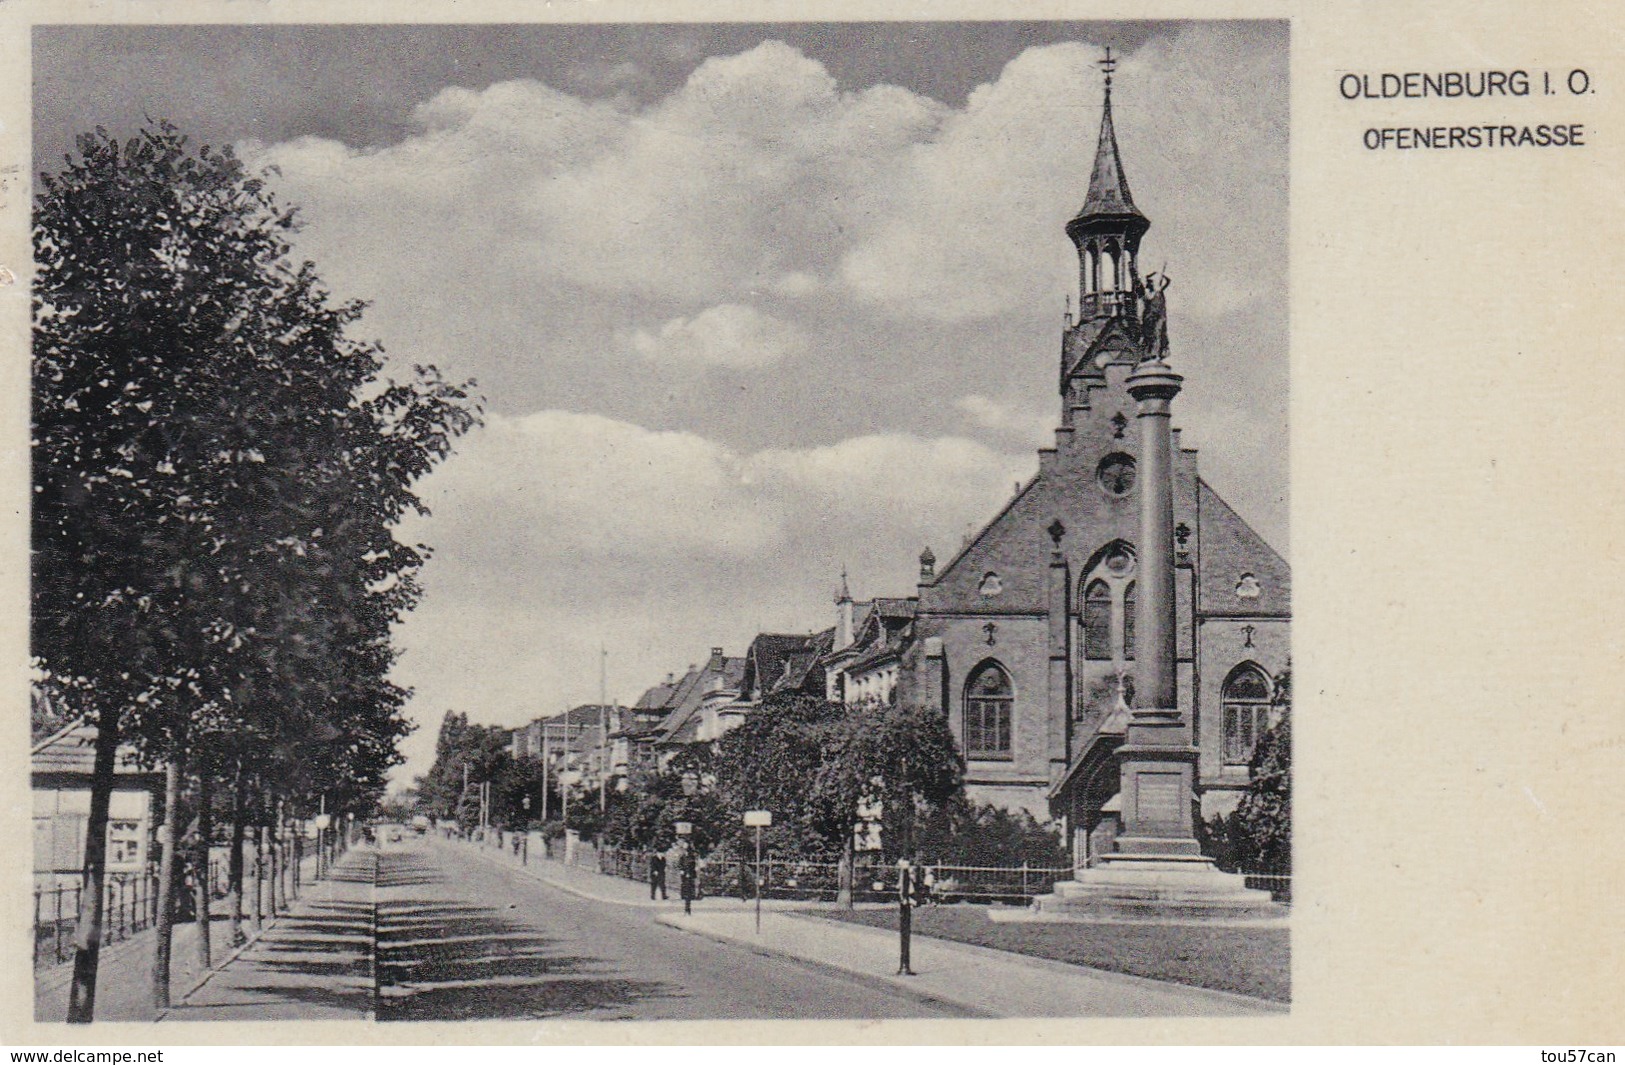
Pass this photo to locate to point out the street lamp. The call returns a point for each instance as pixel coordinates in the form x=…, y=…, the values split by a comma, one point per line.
x=524, y=846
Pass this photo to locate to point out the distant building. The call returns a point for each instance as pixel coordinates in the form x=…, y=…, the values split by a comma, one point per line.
x=61, y=767
x=784, y=664
x=571, y=741
x=867, y=647
x=694, y=709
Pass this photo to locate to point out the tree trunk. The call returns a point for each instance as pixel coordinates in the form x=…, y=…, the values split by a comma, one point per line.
x=167, y=869
x=843, y=891
x=87, y=936
x=204, y=889
x=236, y=860
x=259, y=877
x=298, y=856
x=276, y=855
x=279, y=839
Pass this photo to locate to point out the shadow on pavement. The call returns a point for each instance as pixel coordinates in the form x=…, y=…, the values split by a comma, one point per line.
x=454, y=961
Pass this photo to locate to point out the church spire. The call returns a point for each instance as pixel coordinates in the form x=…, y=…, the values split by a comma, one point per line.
x=1108, y=188
x=1108, y=227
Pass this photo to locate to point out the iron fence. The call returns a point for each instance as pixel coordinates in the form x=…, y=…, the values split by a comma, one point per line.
x=1279, y=885
x=784, y=878
x=131, y=906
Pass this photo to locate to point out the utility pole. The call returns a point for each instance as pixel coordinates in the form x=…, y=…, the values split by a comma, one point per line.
x=603, y=729
x=545, y=733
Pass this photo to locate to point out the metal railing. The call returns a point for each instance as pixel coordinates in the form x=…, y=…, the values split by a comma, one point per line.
x=132, y=905
x=820, y=881
x=1279, y=885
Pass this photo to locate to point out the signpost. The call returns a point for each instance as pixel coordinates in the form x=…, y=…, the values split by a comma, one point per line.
x=758, y=819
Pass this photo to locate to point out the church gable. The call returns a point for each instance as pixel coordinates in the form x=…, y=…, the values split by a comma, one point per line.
x=1093, y=343
x=1240, y=574
x=1003, y=568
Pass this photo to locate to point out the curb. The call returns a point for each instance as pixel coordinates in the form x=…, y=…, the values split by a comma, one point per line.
x=860, y=976
x=570, y=889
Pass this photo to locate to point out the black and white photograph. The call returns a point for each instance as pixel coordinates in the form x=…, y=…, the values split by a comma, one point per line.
x=607, y=525
x=655, y=521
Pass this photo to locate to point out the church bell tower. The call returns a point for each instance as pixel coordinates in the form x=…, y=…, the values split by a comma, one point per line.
x=1106, y=232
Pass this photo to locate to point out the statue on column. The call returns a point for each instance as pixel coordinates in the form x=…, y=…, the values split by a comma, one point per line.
x=1154, y=315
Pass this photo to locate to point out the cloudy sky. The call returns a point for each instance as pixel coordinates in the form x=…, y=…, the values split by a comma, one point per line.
x=748, y=303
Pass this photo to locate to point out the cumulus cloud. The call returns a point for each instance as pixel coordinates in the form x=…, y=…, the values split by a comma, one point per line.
x=761, y=173
x=1008, y=421
x=556, y=531
x=728, y=335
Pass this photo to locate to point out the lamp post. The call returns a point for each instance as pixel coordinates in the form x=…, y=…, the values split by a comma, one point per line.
x=524, y=846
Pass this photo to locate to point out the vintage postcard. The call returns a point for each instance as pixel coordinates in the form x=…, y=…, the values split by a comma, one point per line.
x=543, y=524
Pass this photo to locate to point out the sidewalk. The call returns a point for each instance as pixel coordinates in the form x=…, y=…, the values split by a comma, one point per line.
x=991, y=982
x=315, y=963
x=996, y=983
x=124, y=972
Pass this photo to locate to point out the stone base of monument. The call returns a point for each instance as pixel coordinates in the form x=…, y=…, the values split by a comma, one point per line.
x=1182, y=888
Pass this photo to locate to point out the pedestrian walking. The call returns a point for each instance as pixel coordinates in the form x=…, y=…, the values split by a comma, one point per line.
x=905, y=907
x=657, y=875
x=688, y=871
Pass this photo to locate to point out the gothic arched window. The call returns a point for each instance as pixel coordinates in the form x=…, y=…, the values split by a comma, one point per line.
x=1128, y=623
x=1097, y=621
x=989, y=697
x=1246, y=699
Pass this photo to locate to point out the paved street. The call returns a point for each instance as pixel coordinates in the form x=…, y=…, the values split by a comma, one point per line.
x=460, y=936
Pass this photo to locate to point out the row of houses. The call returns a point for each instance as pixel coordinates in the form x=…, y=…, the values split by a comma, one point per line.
x=854, y=660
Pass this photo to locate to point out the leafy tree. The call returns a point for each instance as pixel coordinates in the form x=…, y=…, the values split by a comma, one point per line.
x=904, y=756
x=770, y=762
x=1257, y=836
x=646, y=814
x=815, y=764
x=1264, y=817
x=963, y=833
x=48, y=713
x=217, y=469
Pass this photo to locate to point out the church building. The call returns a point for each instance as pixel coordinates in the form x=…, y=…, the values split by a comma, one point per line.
x=1026, y=637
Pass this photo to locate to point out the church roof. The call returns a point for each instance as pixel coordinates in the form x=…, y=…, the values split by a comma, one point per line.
x=1109, y=198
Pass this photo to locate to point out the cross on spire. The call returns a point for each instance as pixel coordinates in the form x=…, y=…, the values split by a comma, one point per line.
x=1108, y=65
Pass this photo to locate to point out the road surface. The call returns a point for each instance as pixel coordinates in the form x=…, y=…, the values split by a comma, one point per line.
x=430, y=930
